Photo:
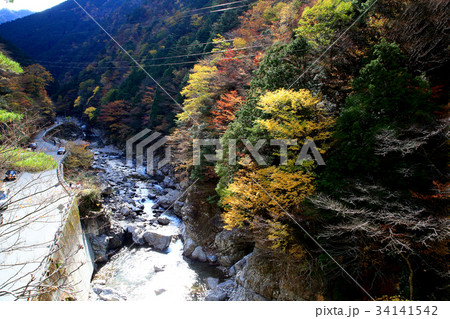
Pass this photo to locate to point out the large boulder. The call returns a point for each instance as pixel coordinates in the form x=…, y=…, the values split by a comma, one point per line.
x=221, y=291
x=163, y=220
x=157, y=240
x=212, y=282
x=136, y=234
x=188, y=247
x=199, y=254
x=232, y=246
x=170, y=198
x=99, y=246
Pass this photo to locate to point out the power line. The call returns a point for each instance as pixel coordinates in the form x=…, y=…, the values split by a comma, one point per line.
x=134, y=66
x=162, y=58
x=218, y=5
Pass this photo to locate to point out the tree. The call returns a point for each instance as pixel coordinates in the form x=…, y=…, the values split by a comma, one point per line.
x=319, y=23
x=199, y=93
x=224, y=110
x=387, y=150
x=258, y=197
x=386, y=96
x=113, y=117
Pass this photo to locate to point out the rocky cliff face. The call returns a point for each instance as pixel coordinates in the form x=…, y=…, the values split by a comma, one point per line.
x=252, y=273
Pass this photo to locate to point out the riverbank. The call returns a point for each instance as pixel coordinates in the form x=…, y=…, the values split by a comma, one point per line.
x=137, y=241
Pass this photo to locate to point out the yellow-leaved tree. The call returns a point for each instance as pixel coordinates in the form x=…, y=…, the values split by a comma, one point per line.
x=199, y=93
x=267, y=199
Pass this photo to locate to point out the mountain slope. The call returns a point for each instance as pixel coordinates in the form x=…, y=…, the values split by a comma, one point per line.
x=7, y=15
x=165, y=37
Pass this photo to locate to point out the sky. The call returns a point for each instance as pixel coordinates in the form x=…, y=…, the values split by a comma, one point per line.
x=32, y=5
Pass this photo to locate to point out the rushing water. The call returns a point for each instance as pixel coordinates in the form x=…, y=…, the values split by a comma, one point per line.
x=141, y=273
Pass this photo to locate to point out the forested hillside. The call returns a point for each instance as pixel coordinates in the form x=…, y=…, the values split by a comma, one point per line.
x=374, y=98
x=25, y=108
x=366, y=80
x=98, y=80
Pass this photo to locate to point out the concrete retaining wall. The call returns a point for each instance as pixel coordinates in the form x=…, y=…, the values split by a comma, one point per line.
x=70, y=267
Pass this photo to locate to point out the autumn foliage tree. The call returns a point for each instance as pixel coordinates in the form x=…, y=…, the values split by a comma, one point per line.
x=224, y=110
x=113, y=117
x=262, y=198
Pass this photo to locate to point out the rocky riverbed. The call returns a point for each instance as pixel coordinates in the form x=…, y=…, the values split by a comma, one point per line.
x=138, y=242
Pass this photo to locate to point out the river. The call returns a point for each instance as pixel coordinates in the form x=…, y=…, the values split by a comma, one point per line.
x=138, y=272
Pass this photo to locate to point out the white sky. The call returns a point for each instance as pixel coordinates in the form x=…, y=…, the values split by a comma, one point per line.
x=33, y=5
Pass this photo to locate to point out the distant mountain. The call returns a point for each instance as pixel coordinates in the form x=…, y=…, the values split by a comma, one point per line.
x=165, y=36
x=7, y=15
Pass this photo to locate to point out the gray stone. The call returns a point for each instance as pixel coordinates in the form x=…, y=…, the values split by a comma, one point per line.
x=107, y=191
x=167, y=200
x=163, y=220
x=167, y=182
x=158, y=241
x=136, y=234
x=243, y=294
x=199, y=254
x=109, y=294
x=177, y=208
x=212, y=282
x=216, y=296
x=99, y=246
x=159, y=291
x=124, y=211
x=188, y=247
x=159, y=268
x=115, y=242
x=212, y=258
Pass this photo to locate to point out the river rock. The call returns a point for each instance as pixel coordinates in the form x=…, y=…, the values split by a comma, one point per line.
x=159, y=291
x=124, y=211
x=212, y=282
x=199, y=254
x=212, y=258
x=167, y=182
x=216, y=296
x=188, y=247
x=109, y=294
x=136, y=234
x=115, y=242
x=107, y=191
x=177, y=208
x=159, y=268
x=163, y=220
x=167, y=200
x=222, y=291
x=157, y=241
x=99, y=246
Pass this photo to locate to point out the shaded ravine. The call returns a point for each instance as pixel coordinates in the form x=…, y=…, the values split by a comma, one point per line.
x=142, y=273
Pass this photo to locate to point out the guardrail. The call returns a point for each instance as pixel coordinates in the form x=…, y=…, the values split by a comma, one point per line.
x=60, y=175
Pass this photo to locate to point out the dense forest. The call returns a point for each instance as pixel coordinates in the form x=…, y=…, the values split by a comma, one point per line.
x=366, y=80
x=25, y=108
